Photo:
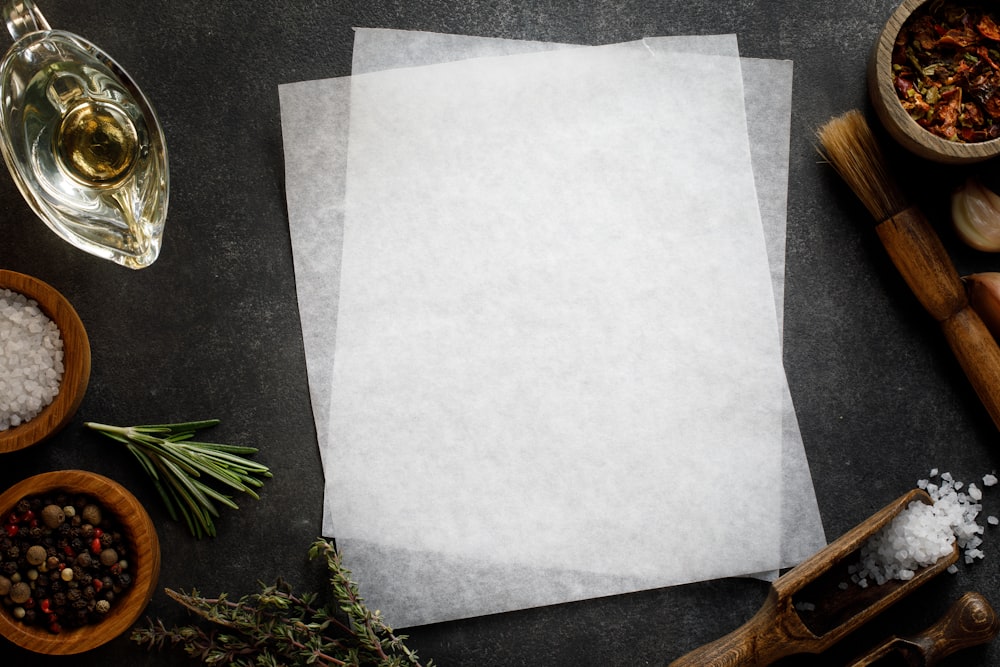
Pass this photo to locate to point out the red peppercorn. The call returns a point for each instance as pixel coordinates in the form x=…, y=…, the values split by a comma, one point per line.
x=95, y=545
x=28, y=516
x=55, y=628
x=97, y=584
x=29, y=603
x=12, y=518
x=43, y=604
x=68, y=550
x=11, y=530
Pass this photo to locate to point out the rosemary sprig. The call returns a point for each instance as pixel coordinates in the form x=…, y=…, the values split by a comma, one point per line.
x=180, y=468
x=278, y=627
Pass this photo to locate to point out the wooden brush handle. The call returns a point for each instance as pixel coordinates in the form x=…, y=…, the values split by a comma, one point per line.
x=922, y=260
x=969, y=622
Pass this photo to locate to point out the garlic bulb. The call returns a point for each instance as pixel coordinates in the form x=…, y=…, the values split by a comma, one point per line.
x=975, y=212
x=984, y=296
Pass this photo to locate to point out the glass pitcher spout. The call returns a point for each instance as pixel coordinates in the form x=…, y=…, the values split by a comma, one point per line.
x=81, y=141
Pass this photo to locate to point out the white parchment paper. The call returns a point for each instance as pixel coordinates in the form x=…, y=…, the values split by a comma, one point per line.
x=317, y=269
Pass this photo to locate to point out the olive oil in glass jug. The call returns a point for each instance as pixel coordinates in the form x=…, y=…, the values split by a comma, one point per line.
x=81, y=141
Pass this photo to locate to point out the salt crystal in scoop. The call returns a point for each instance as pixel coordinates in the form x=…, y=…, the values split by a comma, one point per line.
x=921, y=534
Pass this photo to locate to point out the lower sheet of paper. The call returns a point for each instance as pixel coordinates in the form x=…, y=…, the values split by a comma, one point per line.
x=469, y=517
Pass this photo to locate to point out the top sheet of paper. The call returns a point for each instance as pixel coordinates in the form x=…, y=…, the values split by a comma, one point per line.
x=533, y=352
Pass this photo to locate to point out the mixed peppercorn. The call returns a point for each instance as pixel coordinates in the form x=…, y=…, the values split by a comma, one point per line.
x=63, y=562
x=946, y=70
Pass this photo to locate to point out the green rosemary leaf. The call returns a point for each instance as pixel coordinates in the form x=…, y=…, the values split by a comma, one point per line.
x=182, y=427
x=229, y=449
x=221, y=497
x=188, y=484
x=230, y=478
x=150, y=469
x=201, y=464
x=228, y=468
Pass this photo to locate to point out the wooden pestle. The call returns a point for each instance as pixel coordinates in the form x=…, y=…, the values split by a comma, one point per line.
x=917, y=252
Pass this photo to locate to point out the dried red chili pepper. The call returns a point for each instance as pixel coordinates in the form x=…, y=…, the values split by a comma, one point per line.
x=946, y=72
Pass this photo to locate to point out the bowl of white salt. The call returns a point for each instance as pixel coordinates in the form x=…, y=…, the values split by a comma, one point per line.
x=44, y=361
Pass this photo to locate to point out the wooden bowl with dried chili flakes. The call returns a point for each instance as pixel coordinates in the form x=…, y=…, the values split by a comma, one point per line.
x=80, y=561
x=934, y=79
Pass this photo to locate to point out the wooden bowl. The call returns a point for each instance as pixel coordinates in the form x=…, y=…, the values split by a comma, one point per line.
x=76, y=362
x=143, y=558
x=894, y=117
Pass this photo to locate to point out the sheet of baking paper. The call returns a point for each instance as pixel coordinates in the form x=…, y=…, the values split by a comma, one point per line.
x=767, y=86
x=315, y=118
x=557, y=345
x=329, y=249
x=767, y=91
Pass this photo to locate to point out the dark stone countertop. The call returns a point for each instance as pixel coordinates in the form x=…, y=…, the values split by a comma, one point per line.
x=211, y=330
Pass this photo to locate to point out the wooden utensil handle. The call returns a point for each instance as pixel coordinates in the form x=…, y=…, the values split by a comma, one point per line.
x=969, y=622
x=774, y=632
x=922, y=260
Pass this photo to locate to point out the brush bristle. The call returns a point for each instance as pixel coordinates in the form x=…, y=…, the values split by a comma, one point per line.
x=851, y=148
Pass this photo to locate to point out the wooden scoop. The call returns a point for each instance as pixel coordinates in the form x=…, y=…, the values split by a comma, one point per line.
x=808, y=610
x=969, y=622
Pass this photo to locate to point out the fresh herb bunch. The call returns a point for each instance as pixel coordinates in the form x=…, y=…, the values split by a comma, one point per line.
x=180, y=466
x=276, y=627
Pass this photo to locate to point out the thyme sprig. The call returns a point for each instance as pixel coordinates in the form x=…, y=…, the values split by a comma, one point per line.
x=180, y=468
x=276, y=627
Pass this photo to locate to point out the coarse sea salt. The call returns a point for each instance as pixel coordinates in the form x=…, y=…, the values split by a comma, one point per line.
x=921, y=534
x=31, y=359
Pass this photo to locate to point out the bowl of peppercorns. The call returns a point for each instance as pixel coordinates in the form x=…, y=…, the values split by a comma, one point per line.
x=79, y=561
x=934, y=79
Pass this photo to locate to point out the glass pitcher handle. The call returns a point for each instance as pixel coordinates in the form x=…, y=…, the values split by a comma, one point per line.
x=23, y=17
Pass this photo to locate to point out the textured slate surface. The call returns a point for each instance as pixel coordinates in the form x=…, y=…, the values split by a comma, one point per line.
x=211, y=329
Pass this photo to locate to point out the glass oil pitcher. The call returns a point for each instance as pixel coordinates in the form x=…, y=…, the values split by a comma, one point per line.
x=82, y=143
